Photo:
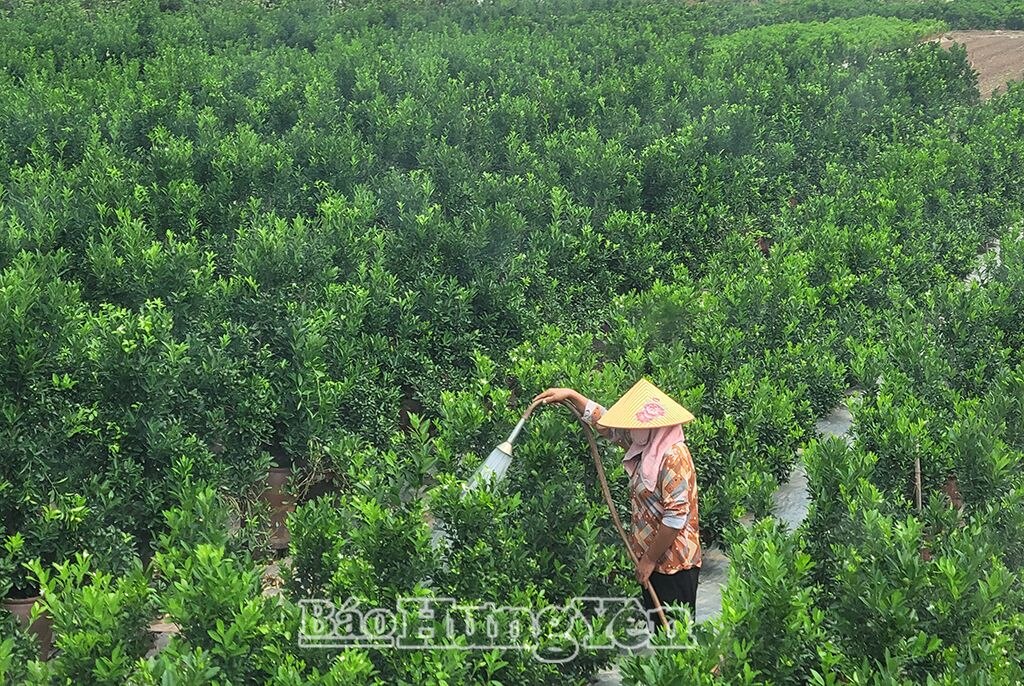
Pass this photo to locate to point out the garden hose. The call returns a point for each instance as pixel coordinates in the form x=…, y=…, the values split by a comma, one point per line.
x=599, y=466
x=499, y=459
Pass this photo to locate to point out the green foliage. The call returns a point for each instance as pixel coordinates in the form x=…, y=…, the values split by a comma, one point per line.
x=355, y=240
x=99, y=621
x=17, y=649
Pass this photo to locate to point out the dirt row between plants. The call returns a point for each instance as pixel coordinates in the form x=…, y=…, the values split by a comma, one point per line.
x=997, y=56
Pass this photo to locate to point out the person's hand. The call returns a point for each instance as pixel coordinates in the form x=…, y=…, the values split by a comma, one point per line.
x=557, y=395
x=644, y=569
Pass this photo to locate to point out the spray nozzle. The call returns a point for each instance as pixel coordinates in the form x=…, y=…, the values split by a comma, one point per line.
x=497, y=463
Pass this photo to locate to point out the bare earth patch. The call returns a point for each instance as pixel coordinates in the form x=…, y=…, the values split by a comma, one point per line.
x=997, y=56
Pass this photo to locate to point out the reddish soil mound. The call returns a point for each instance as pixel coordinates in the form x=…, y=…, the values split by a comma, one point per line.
x=997, y=56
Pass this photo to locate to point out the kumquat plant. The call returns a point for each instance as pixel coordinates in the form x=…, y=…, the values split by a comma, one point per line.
x=511, y=342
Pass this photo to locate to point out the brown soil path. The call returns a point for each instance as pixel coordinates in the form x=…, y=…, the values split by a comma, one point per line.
x=997, y=56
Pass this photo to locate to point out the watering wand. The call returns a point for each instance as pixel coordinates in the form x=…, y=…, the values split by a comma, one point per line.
x=497, y=463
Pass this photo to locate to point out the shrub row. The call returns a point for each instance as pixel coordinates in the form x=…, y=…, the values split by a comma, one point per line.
x=357, y=241
x=870, y=589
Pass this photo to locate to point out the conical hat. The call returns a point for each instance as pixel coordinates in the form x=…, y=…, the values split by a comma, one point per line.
x=644, y=406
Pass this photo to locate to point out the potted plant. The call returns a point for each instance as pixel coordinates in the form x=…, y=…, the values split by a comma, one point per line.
x=20, y=591
x=49, y=533
x=100, y=618
x=308, y=407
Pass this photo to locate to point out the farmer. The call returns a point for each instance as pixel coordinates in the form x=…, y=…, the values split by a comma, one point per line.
x=665, y=531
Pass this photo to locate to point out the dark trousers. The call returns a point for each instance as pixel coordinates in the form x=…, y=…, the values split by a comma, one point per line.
x=677, y=588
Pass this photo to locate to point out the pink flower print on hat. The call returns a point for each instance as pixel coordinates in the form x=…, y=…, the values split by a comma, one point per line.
x=651, y=410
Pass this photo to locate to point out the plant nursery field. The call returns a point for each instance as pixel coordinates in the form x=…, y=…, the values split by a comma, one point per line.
x=342, y=245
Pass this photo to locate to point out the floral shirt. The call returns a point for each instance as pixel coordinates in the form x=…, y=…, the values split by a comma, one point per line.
x=673, y=503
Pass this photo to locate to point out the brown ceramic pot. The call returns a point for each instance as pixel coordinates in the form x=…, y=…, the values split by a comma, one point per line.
x=281, y=504
x=42, y=628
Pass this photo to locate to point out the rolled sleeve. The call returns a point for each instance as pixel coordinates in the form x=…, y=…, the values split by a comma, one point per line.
x=592, y=413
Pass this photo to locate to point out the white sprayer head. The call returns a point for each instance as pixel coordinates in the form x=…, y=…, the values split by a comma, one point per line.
x=494, y=467
x=497, y=463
